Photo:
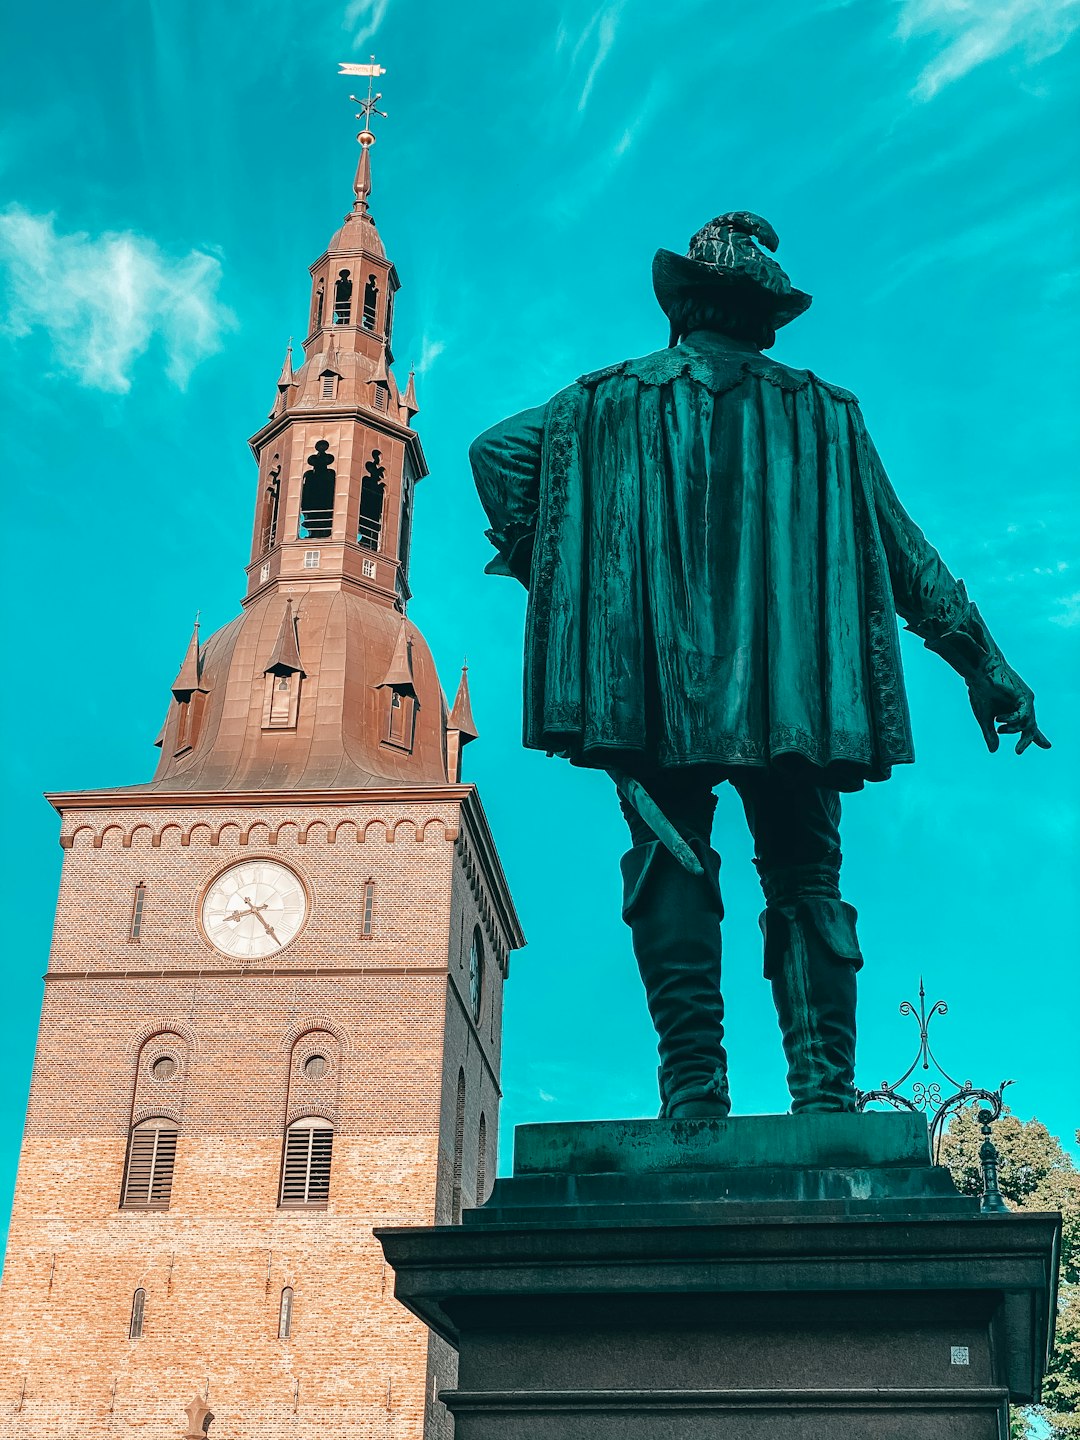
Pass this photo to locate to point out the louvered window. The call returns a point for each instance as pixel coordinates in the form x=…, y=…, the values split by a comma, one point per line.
x=151, y=1160
x=305, y=1173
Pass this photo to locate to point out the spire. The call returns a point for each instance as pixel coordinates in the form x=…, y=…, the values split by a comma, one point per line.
x=189, y=678
x=461, y=716
x=400, y=674
x=381, y=376
x=409, y=398
x=362, y=183
x=285, y=659
x=368, y=108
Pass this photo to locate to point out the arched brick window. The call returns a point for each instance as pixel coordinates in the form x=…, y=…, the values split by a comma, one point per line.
x=481, y=1162
x=459, y=1145
x=138, y=1310
x=305, y=1169
x=284, y=1328
x=342, y=298
x=151, y=1159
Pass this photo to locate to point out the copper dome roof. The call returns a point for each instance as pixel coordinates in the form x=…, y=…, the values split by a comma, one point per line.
x=353, y=652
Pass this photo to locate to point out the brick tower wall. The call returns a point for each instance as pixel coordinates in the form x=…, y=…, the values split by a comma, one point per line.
x=393, y=1013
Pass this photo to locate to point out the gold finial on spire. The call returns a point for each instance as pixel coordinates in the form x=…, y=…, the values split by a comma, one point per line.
x=368, y=108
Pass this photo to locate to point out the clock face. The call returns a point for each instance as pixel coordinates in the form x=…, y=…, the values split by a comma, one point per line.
x=254, y=909
x=476, y=973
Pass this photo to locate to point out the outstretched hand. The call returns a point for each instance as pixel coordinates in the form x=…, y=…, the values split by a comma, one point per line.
x=1003, y=705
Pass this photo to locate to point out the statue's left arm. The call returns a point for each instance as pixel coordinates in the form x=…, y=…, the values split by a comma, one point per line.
x=506, y=462
x=936, y=607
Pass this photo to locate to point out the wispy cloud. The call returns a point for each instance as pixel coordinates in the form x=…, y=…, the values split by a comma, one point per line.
x=102, y=299
x=593, y=45
x=363, y=18
x=974, y=31
x=1068, y=615
x=430, y=350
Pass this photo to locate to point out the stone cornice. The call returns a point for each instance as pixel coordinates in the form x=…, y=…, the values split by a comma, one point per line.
x=361, y=414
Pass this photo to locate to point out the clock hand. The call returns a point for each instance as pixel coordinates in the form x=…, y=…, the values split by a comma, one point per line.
x=240, y=914
x=265, y=923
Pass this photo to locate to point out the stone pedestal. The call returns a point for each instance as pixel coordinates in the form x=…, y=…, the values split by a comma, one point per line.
x=800, y=1277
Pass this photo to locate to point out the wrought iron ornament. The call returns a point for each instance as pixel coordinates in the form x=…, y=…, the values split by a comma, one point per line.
x=926, y=1097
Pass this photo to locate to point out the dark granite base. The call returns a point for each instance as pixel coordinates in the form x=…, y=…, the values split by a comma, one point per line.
x=693, y=1287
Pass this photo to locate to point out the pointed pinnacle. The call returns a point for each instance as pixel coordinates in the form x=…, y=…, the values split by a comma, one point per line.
x=189, y=678
x=400, y=674
x=287, y=378
x=461, y=716
x=285, y=659
x=409, y=398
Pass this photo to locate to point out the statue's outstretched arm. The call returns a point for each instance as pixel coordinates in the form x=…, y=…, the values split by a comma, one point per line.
x=936, y=607
x=506, y=467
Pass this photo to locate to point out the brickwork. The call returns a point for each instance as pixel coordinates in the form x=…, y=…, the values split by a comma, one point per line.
x=392, y=1016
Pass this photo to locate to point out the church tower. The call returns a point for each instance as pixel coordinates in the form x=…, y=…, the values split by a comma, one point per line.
x=273, y=1005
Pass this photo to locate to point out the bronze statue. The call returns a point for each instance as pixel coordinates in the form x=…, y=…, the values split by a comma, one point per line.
x=715, y=559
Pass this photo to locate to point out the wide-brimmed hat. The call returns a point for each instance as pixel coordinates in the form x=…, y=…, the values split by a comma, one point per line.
x=724, y=266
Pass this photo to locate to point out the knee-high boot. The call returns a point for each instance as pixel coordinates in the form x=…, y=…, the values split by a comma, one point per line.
x=811, y=957
x=674, y=919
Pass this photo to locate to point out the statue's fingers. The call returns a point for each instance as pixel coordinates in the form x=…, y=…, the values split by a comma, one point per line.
x=986, y=725
x=1041, y=740
x=1024, y=741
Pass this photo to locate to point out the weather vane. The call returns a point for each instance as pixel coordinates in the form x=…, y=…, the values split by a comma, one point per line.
x=368, y=106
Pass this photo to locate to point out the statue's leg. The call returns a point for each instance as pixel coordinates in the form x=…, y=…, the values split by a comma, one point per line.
x=674, y=919
x=811, y=948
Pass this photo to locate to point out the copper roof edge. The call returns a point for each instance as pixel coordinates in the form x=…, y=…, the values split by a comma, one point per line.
x=145, y=797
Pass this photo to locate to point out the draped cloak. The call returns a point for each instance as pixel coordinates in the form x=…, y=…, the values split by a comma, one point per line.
x=715, y=558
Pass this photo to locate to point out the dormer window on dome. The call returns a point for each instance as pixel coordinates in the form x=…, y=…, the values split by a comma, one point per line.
x=190, y=696
x=283, y=677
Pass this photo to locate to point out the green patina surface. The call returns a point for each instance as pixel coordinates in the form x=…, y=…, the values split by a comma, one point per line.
x=715, y=561
x=816, y=1141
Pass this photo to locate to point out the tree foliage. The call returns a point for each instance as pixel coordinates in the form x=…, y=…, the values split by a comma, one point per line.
x=1035, y=1173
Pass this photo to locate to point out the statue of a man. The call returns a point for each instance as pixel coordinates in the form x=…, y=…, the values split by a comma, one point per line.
x=715, y=559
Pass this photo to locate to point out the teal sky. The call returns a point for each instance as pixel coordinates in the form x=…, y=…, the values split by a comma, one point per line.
x=170, y=171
